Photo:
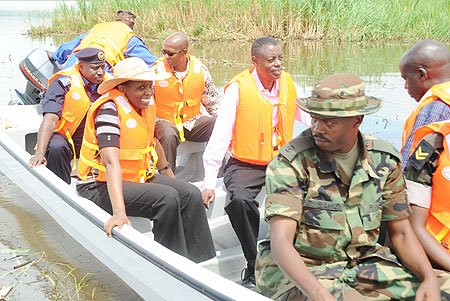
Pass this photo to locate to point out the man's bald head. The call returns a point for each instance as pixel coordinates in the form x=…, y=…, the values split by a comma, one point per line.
x=424, y=65
x=175, y=49
x=177, y=39
x=430, y=54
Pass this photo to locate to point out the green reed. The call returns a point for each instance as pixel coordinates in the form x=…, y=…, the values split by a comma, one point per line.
x=344, y=20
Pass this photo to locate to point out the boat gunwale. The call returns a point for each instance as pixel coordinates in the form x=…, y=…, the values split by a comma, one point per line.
x=165, y=266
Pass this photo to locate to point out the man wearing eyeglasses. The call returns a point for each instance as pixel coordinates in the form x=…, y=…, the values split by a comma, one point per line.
x=180, y=98
x=117, y=38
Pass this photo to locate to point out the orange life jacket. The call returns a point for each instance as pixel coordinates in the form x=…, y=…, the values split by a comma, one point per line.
x=76, y=101
x=136, y=141
x=111, y=37
x=253, y=129
x=438, y=223
x=178, y=101
x=440, y=91
x=75, y=107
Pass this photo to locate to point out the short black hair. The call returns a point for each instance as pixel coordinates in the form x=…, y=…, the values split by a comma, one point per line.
x=259, y=43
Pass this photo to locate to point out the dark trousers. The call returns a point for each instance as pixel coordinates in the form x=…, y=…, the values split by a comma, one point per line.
x=169, y=137
x=244, y=181
x=174, y=206
x=58, y=156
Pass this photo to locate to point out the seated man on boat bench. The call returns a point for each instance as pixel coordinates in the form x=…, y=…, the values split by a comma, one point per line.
x=117, y=166
x=117, y=38
x=425, y=67
x=180, y=98
x=256, y=118
x=327, y=192
x=428, y=182
x=65, y=105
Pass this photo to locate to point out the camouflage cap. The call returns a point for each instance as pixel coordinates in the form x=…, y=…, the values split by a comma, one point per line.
x=125, y=15
x=340, y=95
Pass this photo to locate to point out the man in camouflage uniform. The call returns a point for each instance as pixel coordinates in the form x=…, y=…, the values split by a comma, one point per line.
x=327, y=192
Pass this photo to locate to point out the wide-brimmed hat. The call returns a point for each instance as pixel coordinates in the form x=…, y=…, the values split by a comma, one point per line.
x=134, y=69
x=340, y=95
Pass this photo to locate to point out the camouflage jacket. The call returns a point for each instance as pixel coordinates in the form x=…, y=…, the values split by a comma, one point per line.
x=337, y=218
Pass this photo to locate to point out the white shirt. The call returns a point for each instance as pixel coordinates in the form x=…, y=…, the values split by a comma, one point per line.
x=223, y=129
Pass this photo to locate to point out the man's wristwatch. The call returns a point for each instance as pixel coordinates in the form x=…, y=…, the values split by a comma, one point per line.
x=163, y=170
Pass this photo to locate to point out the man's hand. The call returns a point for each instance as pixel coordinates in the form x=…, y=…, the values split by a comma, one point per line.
x=37, y=160
x=116, y=220
x=413, y=257
x=208, y=197
x=50, y=55
x=428, y=290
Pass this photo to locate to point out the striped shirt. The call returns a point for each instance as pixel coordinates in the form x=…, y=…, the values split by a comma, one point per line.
x=432, y=112
x=107, y=125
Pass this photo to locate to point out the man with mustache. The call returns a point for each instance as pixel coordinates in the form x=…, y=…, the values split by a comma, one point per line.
x=327, y=192
x=255, y=120
x=425, y=67
x=65, y=105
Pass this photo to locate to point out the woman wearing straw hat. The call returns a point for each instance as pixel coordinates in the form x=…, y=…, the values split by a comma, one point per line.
x=116, y=165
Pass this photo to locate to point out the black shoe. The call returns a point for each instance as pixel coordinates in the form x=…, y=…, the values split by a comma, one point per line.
x=248, y=281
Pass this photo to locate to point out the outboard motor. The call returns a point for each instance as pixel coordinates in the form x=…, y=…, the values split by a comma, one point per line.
x=37, y=68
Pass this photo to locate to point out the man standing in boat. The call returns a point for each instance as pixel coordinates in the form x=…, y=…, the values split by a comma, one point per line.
x=117, y=38
x=180, y=98
x=255, y=120
x=65, y=105
x=327, y=192
x=425, y=67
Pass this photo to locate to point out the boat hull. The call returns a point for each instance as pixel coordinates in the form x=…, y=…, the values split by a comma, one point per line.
x=150, y=269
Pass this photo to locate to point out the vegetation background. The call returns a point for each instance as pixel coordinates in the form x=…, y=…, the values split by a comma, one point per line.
x=337, y=20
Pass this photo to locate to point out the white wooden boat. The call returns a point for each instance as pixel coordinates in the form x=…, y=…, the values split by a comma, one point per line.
x=153, y=271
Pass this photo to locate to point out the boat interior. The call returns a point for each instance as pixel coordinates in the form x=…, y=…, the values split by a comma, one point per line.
x=21, y=123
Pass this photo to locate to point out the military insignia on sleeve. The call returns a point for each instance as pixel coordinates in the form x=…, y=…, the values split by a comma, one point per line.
x=421, y=154
x=101, y=55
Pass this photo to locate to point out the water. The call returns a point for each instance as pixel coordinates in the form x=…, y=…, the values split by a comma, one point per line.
x=308, y=62
x=25, y=226
x=54, y=266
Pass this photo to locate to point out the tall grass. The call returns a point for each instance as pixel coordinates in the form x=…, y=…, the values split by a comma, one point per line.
x=345, y=20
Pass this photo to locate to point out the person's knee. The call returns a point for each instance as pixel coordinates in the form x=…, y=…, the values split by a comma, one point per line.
x=240, y=203
x=168, y=134
x=57, y=147
x=243, y=198
x=193, y=192
x=170, y=202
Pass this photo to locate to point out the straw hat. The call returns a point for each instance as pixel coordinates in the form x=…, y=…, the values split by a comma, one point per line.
x=340, y=95
x=134, y=69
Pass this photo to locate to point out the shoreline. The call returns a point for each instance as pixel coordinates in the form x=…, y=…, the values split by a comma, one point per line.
x=246, y=20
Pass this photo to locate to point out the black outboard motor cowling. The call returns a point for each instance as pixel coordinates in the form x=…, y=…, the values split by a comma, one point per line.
x=37, y=68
